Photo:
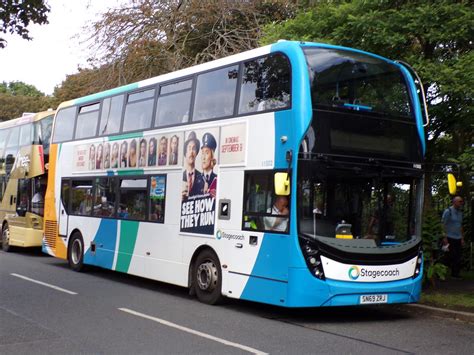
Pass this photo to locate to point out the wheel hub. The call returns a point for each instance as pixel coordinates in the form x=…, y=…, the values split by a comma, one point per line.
x=76, y=251
x=207, y=276
x=5, y=237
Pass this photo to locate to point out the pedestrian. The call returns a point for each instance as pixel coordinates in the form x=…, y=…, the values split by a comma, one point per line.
x=453, y=234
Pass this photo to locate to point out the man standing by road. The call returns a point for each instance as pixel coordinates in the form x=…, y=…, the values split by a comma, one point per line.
x=453, y=234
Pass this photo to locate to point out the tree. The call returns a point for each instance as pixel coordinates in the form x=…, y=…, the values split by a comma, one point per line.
x=19, y=88
x=17, y=97
x=435, y=37
x=16, y=16
x=146, y=38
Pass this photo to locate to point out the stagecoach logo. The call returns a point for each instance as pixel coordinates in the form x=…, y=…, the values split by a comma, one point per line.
x=354, y=272
x=223, y=235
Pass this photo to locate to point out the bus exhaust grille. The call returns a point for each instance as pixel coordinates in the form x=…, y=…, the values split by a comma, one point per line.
x=50, y=233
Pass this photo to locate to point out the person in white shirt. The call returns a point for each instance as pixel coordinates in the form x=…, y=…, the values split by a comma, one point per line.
x=280, y=207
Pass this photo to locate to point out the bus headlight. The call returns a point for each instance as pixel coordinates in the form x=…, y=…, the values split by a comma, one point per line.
x=313, y=258
x=419, y=263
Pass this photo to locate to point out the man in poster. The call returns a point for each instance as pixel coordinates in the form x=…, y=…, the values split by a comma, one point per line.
x=193, y=183
x=208, y=161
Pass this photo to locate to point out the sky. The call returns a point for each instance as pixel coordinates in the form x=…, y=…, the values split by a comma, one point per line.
x=57, y=48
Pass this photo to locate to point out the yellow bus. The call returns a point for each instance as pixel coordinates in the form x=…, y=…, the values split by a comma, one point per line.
x=24, y=153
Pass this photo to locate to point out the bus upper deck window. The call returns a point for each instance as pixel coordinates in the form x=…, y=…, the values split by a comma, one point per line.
x=64, y=126
x=266, y=84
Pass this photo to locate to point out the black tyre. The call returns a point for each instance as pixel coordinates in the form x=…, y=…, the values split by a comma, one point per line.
x=207, y=278
x=6, y=239
x=75, y=252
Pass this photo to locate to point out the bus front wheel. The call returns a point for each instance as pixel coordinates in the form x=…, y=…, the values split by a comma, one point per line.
x=76, y=252
x=5, y=238
x=207, y=279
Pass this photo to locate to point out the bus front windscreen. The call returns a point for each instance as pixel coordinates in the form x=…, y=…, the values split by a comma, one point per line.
x=345, y=204
x=355, y=81
x=361, y=106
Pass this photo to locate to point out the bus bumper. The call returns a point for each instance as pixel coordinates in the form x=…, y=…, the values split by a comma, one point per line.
x=305, y=290
x=25, y=237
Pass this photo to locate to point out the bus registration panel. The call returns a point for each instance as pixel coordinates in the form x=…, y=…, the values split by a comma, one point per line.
x=371, y=299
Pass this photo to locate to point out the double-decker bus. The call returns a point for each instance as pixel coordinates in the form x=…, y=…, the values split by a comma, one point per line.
x=24, y=149
x=289, y=174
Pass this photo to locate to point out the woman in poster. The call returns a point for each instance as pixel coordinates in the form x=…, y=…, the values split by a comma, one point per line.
x=99, y=164
x=92, y=157
x=115, y=157
x=123, y=155
x=142, y=153
x=132, y=158
x=106, y=156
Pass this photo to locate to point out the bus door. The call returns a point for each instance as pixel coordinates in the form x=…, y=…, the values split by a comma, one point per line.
x=64, y=207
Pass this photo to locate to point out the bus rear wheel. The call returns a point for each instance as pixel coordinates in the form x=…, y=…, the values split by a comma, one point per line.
x=75, y=252
x=6, y=238
x=207, y=279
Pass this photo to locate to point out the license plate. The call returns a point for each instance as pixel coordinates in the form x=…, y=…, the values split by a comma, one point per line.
x=371, y=299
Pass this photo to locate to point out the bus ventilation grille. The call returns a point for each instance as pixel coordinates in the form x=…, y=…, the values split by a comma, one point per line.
x=50, y=233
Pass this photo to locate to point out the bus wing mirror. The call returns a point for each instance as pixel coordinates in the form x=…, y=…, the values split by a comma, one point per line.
x=453, y=184
x=282, y=184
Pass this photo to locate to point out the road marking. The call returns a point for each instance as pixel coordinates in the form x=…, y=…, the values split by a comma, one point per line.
x=195, y=332
x=45, y=284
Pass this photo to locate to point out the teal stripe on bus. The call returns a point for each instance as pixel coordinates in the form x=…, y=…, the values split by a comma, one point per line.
x=103, y=94
x=126, y=136
x=130, y=172
x=128, y=238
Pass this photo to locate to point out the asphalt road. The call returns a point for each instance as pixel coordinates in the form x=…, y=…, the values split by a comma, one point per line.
x=105, y=312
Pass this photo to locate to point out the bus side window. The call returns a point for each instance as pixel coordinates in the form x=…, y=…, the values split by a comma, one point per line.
x=139, y=110
x=133, y=199
x=64, y=126
x=104, y=197
x=81, y=201
x=215, y=93
x=266, y=84
x=263, y=210
x=23, y=199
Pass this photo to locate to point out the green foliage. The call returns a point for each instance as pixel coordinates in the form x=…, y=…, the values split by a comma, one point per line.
x=16, y=16
x=432, y=232
x=434, y=36
x=449, y=300
x=19, y=88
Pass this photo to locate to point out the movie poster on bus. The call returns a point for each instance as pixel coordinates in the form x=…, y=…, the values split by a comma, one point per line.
x=199, y=183
x=233, y=144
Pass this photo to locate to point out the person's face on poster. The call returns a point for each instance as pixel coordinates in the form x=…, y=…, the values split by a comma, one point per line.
x=142, y=149
x=174, y=144
x=163, y=144
x=152, y=147
x=115, y=150
x=206, y=157
x=191, y=153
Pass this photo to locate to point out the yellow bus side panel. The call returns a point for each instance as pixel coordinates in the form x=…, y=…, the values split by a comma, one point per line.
x=52, y=239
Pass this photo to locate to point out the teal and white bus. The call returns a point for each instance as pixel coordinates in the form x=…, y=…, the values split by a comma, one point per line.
x=290, y=174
